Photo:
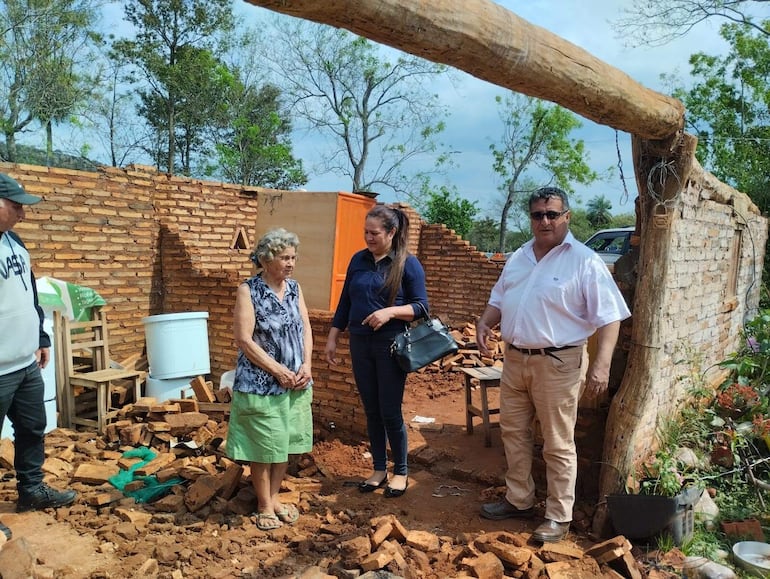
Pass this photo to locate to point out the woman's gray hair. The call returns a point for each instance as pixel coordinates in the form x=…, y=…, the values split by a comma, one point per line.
x=271, y=244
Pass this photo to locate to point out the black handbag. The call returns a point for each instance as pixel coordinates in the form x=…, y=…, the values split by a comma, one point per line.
x=422, y=343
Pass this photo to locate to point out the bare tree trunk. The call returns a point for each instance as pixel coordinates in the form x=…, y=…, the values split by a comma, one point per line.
x=492, y=43
x=171, y=139
x=49, y=143
x=10, y=146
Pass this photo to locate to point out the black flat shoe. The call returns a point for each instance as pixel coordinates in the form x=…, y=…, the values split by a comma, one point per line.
x=395, y=493
x=365, y=487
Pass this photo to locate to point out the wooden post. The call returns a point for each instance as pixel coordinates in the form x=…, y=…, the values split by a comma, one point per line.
x=633, y=400
x=62, y=381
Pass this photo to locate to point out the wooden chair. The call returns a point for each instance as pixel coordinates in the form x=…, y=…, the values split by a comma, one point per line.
x=86, y=368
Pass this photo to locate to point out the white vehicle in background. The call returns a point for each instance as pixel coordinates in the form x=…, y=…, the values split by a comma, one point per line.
x=611, y=244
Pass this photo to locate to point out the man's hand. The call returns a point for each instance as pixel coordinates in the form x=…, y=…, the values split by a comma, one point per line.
x=488, y=320
x=483, y=332
x=597, y=380
x=43, y=356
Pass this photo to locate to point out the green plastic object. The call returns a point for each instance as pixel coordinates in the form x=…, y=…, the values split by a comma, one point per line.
x=120, y=480
x=76, y=301
x=153, y=488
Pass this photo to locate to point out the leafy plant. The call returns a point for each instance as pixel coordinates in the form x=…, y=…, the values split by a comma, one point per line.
x=662, y=476
x=704, y=544
x=664, y=542
x=734, y=497
x=736, y=446
x=749, y=365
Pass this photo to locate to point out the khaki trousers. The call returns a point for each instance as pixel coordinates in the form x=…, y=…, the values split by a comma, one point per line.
x=546, y=388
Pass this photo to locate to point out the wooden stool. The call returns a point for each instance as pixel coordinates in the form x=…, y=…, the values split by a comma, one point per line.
x=487, y=377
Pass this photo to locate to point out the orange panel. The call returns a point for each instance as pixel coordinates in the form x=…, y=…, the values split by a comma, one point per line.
x=348, y=237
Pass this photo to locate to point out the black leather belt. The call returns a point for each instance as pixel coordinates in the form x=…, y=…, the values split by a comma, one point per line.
x=539, y=351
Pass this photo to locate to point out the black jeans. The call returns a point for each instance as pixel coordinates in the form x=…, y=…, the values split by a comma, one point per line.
x=21, y=400
x=380, y=383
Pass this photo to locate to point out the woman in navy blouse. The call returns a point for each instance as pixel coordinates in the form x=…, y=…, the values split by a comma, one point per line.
x=383, y=287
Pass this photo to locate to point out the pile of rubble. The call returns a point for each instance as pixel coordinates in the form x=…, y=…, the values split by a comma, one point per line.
x=203, y=525
x=495, y=555
x=468, y=356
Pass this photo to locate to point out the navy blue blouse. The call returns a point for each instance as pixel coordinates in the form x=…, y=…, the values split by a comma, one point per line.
x=364, y=292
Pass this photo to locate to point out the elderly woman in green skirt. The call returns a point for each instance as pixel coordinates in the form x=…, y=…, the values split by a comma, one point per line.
x=270, y=415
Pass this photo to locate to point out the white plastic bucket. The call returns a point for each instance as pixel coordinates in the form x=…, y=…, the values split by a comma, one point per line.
x=163, y=390
x=177, y=344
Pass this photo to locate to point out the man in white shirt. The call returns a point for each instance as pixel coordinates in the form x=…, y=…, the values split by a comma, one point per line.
x=552, y=295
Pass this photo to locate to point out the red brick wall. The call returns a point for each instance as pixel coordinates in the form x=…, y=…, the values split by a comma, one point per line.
x=458, y=277
x=147, y=243
x=97, y=230
x=153, y=244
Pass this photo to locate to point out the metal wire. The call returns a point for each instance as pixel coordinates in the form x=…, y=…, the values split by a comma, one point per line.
x=624, y=196
x=663, y=170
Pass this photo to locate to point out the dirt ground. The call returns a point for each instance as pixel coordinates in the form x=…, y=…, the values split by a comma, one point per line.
x=452, y=474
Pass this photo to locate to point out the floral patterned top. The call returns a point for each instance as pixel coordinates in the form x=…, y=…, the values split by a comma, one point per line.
x=278, y=331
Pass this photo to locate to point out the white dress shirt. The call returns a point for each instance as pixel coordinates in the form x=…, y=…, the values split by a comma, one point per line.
x=560, y=300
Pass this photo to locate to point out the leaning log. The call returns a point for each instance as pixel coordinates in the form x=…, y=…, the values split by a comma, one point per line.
x=494, y=44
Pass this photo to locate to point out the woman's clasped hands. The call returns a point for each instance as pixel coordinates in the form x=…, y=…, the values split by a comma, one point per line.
x=293, y=380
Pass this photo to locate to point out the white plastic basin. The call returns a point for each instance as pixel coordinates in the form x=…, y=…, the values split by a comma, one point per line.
x=753, y=556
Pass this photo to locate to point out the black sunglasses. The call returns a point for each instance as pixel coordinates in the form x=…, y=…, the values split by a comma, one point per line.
x=551, y=215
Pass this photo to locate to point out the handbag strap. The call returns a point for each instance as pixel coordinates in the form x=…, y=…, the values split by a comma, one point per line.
x=426, y=315
x=425, y=312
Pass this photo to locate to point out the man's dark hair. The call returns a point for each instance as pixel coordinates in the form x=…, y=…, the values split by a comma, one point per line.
x=547, y=193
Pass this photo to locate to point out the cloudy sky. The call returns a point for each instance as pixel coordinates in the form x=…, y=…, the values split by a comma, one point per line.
x=474, y=123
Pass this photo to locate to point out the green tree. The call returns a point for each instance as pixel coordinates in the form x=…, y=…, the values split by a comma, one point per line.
x=657, y=22
x=253, y=147
x=580, y=224
x=110, y=120
x=599, y=212
x=172, y=39
x=728, y=109
x=201, y=108
x=623, y=220
x=484, y=234
x=445, y=206
x=535, y=140
x=56, y=87
x=377, y=113
x=41, y=41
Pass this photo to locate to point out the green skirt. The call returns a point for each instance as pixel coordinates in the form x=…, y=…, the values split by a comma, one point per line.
x=267, y=429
